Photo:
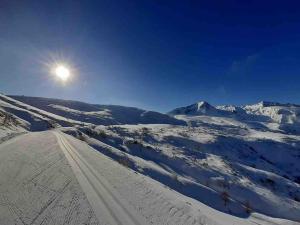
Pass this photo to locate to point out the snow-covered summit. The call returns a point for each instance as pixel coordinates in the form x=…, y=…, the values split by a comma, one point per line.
x=198, y=108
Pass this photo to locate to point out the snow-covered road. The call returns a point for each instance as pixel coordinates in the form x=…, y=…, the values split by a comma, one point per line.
x=37, y=185
x=52, y=178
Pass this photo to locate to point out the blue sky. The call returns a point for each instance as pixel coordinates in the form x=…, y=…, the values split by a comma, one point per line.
x=153, y=54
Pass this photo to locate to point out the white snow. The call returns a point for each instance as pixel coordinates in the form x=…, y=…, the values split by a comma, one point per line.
x=223, y=165
x=39, y=186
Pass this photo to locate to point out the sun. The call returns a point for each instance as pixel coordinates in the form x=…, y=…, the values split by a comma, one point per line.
x=62, y=72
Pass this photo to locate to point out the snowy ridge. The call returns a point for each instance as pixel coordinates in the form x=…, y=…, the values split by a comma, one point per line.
x=283, y=117
x=281, y=113
x=98, y=114
x=268, y=104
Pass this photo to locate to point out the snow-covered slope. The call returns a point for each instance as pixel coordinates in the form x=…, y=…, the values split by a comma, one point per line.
x=286, y=115
x=36, y=118
x=255, y=169
x=223, y=165
x=98, y=114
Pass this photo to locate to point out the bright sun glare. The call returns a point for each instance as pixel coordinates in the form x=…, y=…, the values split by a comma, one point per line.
x=62, y=72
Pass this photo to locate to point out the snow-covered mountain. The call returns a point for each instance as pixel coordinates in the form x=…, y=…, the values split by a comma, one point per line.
x=286, y=115
x=199, y=164
x=98, y=114
x=199, y=108
x=271, y=115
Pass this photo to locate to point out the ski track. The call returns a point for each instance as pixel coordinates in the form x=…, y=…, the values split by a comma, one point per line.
x=105, y=202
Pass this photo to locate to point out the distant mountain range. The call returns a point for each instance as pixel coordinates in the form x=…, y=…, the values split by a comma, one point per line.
x=287, y=116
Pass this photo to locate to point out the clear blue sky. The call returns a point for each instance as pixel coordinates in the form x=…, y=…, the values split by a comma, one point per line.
x=153, y=54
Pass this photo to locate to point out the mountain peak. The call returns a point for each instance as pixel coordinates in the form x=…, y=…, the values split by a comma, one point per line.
x=203, y=104
x=198, y=108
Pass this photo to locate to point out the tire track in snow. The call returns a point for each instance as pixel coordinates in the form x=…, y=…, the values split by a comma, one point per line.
x=105, y=203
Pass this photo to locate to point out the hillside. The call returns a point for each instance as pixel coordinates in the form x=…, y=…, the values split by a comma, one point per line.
x=199, y=164
x=98, y=114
